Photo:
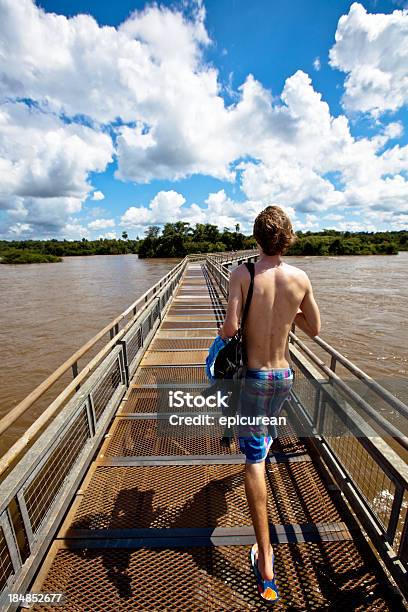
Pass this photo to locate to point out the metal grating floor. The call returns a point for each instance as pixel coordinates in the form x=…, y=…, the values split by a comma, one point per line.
x=172, y=375
x=167, y=344
x=144, y=437
x=152, y=400
x=185, y=496
x=174, y=358
x=325, y=576
x=161, y=521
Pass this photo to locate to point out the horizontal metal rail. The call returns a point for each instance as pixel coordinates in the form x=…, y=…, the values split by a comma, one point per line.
x=352, y=395
x=372, y=475
x=229, y=257
x=370, y=382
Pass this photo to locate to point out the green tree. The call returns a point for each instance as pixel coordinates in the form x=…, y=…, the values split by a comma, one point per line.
x=152, y=231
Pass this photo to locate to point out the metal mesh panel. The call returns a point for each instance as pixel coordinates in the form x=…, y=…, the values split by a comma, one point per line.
x=189, y=324
x=133, y=345
x=192, y=317
x=186, y=333
x=199, y=496
x=146, y=327
x=141, y=438
x=163, y=344
x=41, y=492
x=143, y=400
x=194, y=282
x=305, y=388
x=152, y=375
x=19, y=529
x=310, y=577
x=366, y=474
x=156, y=311
x=6, y=566
x=288, y=442
x=299, y=494
x=184, y=300
x=192, y=289
x=198, y=312
x=174, y=358
x=192, y=308
x=106, y=388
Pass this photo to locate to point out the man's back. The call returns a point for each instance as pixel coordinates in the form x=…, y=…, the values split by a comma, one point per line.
x=279, y=291
x=282, y=295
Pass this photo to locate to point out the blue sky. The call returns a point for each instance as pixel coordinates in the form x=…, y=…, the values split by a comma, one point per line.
x=148, y=114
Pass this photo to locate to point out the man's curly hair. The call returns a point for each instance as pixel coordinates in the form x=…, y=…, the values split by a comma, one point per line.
x=273, y=231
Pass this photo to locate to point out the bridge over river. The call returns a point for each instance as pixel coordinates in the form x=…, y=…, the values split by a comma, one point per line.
x=100, y=502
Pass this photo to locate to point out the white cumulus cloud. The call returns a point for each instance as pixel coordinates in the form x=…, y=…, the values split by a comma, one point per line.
x=372, y=50
x=165, y=207
x=99, y=224
x=44, y=165
x=98, y=195
x=150, y=97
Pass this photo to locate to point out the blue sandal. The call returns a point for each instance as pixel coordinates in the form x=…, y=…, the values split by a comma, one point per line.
x=267, y=589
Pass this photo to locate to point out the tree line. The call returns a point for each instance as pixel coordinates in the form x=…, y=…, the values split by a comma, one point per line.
x=180, y=239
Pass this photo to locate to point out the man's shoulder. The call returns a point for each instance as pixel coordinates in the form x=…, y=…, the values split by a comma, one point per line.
x=240, y=271
x=296, y=273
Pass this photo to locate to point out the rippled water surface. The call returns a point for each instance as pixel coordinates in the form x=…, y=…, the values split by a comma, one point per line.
x=364, y=307
x=50, y=310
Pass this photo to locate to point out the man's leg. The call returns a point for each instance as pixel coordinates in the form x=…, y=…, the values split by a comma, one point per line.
x=255, y=489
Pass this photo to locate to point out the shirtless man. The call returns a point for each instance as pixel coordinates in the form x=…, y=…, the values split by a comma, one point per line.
x=282, y=295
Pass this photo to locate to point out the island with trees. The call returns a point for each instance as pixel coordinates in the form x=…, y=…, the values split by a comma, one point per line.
x=180, y=239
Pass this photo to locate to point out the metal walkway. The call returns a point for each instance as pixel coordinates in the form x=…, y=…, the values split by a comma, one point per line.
x=160, y=520
x=103, y=501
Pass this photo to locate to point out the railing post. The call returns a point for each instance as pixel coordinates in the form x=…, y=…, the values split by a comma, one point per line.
x=125, y=362
x=9, y=536
x=75, y=369
x=395, y=513
x=90, y=413
x=403, y=547
x=75, y=374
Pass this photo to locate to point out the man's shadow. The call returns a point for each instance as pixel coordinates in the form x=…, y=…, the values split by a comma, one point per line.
x=134, y=508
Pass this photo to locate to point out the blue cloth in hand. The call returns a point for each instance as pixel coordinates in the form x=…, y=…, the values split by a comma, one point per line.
x=213, y=351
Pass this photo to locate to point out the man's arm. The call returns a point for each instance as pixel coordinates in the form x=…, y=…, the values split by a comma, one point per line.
x=308, y=316
x=232, y=318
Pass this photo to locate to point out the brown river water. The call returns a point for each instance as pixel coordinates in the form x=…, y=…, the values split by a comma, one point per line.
x=49, y=310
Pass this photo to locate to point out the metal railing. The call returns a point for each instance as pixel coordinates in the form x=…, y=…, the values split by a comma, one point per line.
x=36, y=493
x=219, y=274
x=370, y=473
x=127, y=318
x=229, y=257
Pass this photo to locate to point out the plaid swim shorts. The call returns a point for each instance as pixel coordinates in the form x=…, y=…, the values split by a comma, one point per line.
x=263, y=395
